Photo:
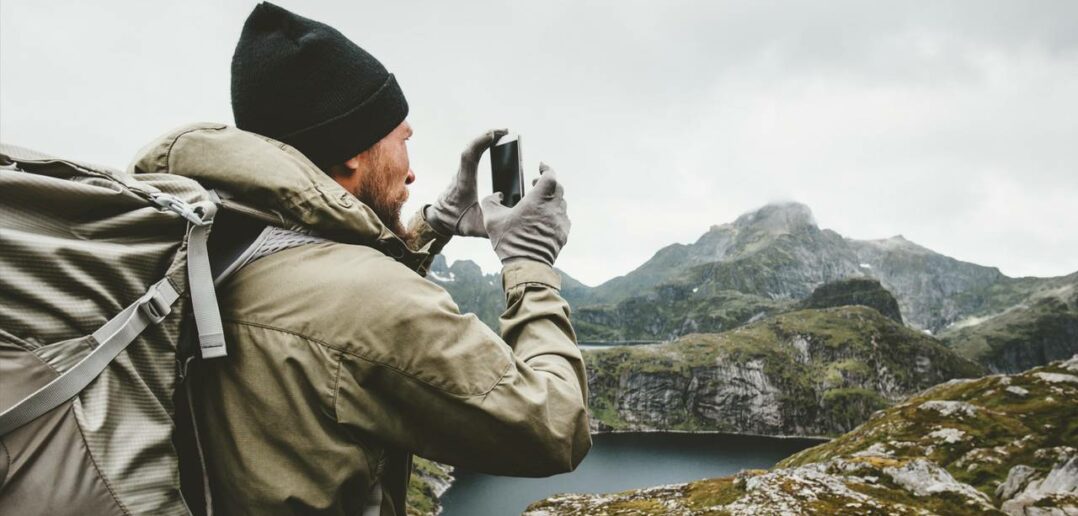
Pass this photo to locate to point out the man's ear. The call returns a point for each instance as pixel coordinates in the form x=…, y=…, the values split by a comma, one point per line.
x=346, y=174
x=344, y=170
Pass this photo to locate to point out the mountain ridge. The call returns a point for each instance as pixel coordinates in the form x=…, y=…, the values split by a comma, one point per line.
x=765, y=262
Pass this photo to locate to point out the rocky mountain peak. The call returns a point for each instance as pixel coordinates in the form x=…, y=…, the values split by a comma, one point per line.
x=786, y=217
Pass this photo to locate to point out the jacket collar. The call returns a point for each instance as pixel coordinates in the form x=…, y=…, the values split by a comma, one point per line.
x=272, y=177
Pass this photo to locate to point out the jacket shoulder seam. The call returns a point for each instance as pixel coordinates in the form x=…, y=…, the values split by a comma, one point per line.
x=388, y=366
x=176, y=139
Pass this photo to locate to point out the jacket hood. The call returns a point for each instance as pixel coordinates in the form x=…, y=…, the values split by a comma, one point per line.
x=270, y=176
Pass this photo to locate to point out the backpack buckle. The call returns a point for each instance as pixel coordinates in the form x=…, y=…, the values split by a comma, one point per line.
x=193, y=213
x=154, y=307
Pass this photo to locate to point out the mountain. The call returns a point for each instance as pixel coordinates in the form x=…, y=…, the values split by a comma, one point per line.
x=482, y=294
x=1040, y=329
x=807, y=372
x=778, y=252
x=472, y=290
x=771, y=260
x=994, y=445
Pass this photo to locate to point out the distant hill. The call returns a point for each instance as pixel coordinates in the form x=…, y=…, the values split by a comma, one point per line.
x=1041, y=328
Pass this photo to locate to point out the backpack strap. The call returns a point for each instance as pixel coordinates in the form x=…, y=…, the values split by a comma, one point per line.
x=112, y=338
x=211, y=333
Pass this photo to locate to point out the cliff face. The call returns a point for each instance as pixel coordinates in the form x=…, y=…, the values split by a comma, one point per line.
x=994, y=445
x=809, y=372
x=428, y=482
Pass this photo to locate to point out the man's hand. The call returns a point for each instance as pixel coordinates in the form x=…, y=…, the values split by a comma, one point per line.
x=456, y=212
x=536, y=228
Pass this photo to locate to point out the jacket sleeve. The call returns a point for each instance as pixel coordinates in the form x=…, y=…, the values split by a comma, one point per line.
x=424, y=377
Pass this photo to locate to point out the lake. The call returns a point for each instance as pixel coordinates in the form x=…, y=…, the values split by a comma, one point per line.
x=622, y=461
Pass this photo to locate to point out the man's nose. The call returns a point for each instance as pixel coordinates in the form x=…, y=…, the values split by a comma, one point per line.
x=411, y=177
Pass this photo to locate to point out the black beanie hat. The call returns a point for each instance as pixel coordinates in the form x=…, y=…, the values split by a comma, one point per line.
x=302, y=82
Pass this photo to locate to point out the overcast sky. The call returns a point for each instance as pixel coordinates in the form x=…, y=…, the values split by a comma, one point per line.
x=954, y=124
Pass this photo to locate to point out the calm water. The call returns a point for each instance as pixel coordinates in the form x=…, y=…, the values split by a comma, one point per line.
x=618, y=462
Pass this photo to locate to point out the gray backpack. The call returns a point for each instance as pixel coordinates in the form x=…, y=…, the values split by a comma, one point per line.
x=106, y=293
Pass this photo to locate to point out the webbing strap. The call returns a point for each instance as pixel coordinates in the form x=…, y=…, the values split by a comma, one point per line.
x=207, y=496
x=112, y=338
x=211, y=333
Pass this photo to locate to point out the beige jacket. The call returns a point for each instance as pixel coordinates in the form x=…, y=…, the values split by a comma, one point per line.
x=344, y=361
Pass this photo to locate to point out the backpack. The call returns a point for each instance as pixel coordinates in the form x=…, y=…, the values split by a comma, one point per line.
x=106, y=295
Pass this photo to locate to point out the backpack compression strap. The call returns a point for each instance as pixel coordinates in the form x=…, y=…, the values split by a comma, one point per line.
x=112, y=338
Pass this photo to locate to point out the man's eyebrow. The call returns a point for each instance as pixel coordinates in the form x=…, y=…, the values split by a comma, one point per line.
x=410, y=132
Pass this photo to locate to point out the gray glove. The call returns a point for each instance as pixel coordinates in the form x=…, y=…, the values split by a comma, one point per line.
x=456, y=212
x=536, y=228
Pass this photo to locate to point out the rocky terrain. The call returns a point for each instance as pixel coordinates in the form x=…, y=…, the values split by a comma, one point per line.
x=807, y=372
x=994, y=445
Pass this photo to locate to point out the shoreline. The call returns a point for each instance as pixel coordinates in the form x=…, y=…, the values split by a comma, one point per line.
x=820, y=438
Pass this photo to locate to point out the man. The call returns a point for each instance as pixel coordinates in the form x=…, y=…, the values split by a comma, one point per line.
x=343, y=361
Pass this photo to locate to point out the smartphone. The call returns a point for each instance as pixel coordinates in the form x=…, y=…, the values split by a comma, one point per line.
x=506, y=169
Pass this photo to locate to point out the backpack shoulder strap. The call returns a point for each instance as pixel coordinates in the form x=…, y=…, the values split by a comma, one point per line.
x=239, y=239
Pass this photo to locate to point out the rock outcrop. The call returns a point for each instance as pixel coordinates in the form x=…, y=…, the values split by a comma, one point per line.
x=855, y=291
x=964, y=447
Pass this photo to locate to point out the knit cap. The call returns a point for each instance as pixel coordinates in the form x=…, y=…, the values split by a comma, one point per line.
x=304, y=83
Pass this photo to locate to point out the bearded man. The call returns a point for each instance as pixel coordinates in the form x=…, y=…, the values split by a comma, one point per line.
x=343, y=360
